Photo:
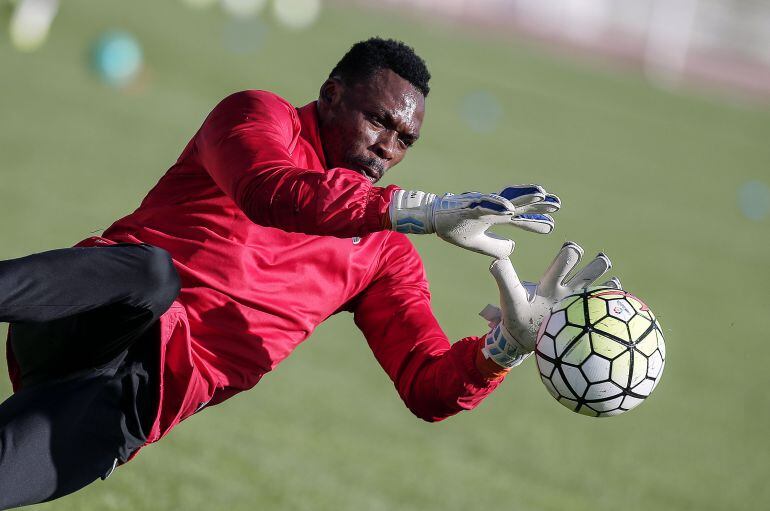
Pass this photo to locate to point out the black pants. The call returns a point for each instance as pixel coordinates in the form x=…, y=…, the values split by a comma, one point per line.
x=84, y=330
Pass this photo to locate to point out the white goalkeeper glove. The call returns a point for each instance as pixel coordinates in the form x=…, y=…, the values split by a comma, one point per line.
x=523, y=306
x=464, y=219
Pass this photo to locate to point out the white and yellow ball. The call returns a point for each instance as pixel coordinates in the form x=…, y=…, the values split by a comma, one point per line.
x=600, y=352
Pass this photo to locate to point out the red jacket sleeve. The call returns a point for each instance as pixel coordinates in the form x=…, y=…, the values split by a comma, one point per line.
x=246, y=144
x=434, y=379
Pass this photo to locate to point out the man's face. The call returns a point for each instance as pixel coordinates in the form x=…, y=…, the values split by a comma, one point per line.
x=368, y=126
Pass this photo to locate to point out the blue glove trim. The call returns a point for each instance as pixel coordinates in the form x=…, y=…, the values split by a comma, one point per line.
x=534, y=222
x=496, y=347
x=553, y=199
x=410, y=225
x=489, y=205
x=513, y=192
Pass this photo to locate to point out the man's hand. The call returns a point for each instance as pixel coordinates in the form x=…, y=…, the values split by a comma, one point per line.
x=523, y=305
x=464, y=219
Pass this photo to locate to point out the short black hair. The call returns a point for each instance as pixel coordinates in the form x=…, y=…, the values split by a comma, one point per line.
x=366, y=57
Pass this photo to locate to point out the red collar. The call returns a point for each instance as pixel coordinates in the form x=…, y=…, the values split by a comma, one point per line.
x=308, y=118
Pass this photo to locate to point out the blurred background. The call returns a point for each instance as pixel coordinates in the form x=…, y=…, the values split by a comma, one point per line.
x=650, y=119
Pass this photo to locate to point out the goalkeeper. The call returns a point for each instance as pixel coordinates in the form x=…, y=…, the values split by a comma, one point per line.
x=268, y=223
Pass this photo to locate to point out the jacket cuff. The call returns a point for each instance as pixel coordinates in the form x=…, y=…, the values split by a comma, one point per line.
x=377, y=212
x=480, y=374
x=488, y=368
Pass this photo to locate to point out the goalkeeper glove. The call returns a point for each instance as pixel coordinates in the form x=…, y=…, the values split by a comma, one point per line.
x=464, y=219
x=524, y=306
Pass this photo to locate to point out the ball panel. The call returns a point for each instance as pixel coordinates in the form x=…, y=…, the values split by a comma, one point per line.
x=621, y=368
x=660, y=373
x=550, y=387
x=596, y=369
x=647, y=314
x=566, y=302
x=630, y=402
x=647, y=344
x=601, y=391
x=577, y=353
x=654, y=365
x=661, y=342
x=597, y=309
x=607, y=405
x=569, y=403
x=620, y=309
x=568, y=334
x=644, y=388
x=575, y=379
x=576, y=313
x=585, y=410
x=560, y=386
x=605, y=346
x=545, y=347
x=544, y=366
x=555, y=323
x=637, y=326
x=639, y=369
x=640, y=306
x=613, y=326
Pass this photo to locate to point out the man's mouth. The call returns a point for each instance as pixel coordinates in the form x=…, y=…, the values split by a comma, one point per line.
x=371, y=173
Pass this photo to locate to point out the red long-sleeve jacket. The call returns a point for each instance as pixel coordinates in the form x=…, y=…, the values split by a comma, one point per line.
x=268, y=243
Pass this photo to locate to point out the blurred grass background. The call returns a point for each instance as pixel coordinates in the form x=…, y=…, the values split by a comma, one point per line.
x=648, y=176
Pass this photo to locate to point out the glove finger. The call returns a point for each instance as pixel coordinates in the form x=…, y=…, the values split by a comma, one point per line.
x=541, y=224
x=482, y=203
x=521, y=195
x=496, y=246
x=588, y=275
x=552, y=201
x=513, y=295
x=496, y=203
x=550, y=204
x=614, y=283
x=565, y=261
x=490, y=202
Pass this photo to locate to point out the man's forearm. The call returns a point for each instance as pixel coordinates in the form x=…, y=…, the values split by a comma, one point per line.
x=439, y=386
x=338, y=202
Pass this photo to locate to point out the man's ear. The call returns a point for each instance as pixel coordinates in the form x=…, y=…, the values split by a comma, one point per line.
x=330, y=93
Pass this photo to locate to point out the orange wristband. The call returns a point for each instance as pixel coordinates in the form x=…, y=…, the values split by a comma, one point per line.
x=488, y=368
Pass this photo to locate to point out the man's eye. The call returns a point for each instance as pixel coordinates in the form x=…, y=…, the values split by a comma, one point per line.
x=376, y=121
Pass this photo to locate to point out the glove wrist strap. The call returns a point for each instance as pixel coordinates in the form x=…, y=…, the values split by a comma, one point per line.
x=501, y=347
x=411, y=212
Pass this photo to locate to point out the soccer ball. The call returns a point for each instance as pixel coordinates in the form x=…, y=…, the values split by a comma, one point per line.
x=600, y=352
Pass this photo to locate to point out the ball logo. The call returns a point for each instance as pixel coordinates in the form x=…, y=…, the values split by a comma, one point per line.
x=642, y=306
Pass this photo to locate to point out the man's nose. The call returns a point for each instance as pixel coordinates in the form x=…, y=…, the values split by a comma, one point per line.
x=385, y=147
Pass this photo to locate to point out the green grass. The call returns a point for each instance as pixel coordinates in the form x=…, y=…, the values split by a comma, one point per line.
x=648, y=176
